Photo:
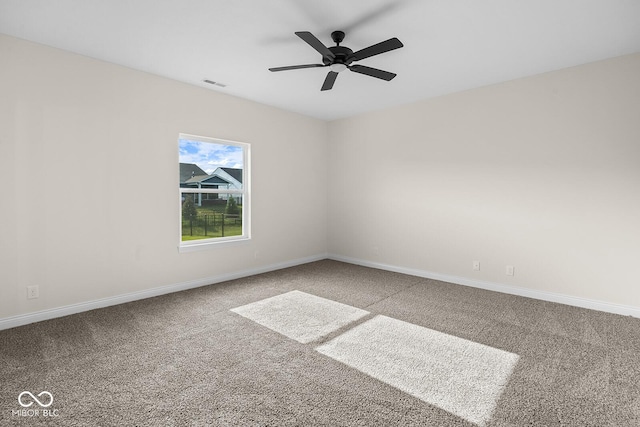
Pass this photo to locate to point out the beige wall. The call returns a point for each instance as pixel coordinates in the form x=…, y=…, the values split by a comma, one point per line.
x=541, y=173
x=88, y=179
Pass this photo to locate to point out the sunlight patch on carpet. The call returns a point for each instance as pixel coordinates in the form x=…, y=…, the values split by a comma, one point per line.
x=460, y=376
x=300, y=316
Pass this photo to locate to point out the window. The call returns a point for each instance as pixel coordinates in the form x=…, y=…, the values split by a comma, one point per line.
x=214, y=191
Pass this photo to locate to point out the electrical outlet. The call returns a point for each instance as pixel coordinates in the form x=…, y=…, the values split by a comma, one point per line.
x=476, y=265
x=33, y=292
x=509, y=270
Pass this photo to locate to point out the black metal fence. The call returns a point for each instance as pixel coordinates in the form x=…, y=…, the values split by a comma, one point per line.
x=214, y=224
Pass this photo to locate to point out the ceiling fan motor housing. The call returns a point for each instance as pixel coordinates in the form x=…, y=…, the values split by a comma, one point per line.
x=343, y=55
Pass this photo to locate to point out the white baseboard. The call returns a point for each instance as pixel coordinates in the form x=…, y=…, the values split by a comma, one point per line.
x=624, y=310
x=25, y=319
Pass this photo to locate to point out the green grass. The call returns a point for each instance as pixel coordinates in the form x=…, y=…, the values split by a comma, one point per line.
x=198, y=232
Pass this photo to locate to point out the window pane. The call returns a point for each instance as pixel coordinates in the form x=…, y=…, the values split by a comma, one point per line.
x=210, y=165
x=208, y=216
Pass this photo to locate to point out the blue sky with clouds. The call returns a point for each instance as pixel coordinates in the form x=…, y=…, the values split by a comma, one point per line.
x=209, y=156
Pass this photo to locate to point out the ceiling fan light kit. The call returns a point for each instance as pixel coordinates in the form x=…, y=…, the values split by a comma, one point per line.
x=339, y=58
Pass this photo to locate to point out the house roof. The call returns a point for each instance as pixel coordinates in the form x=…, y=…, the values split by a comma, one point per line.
x=235, y=173
x=190, y=170
x=208, y=179
x=192, y=174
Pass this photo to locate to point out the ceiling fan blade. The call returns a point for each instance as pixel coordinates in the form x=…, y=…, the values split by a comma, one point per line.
x=296, y=67
x=329, y=81
x=312, y=41
x=378, y=48
x=373, y=72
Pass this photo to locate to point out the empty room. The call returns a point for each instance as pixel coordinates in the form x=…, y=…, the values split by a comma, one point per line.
x=337, y=213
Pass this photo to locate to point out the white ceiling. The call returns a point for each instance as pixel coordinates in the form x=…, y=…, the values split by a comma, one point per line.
x=450, y=45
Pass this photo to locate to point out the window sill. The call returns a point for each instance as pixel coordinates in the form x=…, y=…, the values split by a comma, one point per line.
x=212, y=244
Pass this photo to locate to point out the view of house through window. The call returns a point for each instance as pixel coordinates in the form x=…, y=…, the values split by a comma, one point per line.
x=213, y=190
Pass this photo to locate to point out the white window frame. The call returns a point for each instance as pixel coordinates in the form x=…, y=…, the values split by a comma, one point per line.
x=200, y=244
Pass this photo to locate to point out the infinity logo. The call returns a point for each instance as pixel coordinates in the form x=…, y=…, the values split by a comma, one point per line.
x=35, y=399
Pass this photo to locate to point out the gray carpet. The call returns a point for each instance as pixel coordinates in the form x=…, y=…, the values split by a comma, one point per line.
x=188, y=359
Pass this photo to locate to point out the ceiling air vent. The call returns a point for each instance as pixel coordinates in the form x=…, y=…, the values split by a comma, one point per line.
x=211, y=82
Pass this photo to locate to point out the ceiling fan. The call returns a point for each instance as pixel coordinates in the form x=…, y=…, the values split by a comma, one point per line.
x=339, y=58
